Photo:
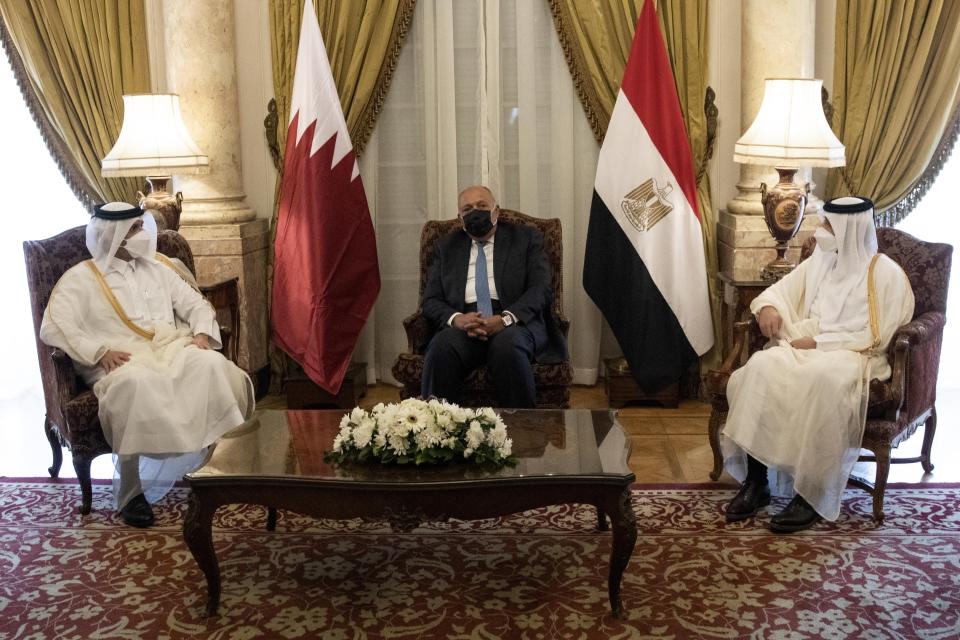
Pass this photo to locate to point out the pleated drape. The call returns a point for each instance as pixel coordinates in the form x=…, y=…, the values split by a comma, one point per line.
x=74, y=60
x=896, y=83
x=596, y=39
x=363, y=40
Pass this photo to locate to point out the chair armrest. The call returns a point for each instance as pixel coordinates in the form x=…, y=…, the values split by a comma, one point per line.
x=67, y=387
x=743, y=331
x=225, y=296
x=418, y=332
x=910, y=337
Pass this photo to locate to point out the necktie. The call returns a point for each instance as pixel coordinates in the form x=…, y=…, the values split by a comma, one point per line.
x=484, y=303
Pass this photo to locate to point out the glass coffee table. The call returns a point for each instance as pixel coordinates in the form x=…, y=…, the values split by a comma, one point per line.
x=276, y=460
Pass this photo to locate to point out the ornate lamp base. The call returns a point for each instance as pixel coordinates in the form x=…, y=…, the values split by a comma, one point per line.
x=165, y=206
x=783, y=208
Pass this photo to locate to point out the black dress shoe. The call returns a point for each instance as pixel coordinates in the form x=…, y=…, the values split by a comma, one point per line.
x=137, y=512
x=749, y=499
x=797, y=516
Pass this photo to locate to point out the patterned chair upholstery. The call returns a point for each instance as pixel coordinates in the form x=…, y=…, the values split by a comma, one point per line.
x=71, y=408
x=898, y=406
x=552, y=380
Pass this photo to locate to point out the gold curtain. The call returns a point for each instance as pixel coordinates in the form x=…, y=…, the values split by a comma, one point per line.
x=74, y=60
x=896, y=83
x=363, y=40
x=596, y=39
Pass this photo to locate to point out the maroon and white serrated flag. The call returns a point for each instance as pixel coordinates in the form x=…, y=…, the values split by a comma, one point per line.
x=325, y=271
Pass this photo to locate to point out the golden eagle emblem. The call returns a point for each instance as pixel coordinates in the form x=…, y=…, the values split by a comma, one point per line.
x=646, y=205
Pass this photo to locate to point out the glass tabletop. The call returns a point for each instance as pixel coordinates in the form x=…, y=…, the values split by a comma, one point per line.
x=573, y=442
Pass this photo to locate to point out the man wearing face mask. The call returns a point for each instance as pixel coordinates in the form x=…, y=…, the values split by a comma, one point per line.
x=798, y=408
x=488, y=298
x=142, y=336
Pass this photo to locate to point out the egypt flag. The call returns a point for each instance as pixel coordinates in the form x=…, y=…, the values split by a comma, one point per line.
x=325, y=272
x=644, y=266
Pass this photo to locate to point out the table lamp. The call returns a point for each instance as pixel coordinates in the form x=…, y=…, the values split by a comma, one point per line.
x=789, y=132
x=154, y=142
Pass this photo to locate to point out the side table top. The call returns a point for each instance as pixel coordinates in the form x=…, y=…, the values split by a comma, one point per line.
x=547, y=443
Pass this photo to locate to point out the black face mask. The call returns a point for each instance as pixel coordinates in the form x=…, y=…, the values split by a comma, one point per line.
x=477, y=222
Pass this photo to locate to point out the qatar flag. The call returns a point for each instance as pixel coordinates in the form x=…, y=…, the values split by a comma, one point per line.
x=644, y=265
x=325, y=272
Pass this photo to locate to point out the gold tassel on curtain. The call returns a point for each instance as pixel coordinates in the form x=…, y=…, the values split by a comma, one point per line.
x=74, y=60
x=596, y=40
x=897, y=98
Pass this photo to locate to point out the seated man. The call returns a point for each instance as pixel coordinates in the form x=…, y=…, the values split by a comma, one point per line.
x=141, y=337
x=489, y=301
x=800, y=405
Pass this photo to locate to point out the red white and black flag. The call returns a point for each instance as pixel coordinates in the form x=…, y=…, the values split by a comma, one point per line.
x=325, y=271
x=644, y=266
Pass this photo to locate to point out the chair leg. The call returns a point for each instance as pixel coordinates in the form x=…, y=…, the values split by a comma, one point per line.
x=601, y=520
x=81, y=465
x=271, y=518
x=929, y=430
x=716, y=422
x=880, y=483
x=55, y=447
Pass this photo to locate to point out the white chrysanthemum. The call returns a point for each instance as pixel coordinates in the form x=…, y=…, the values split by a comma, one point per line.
x=398, y=443
x=488, y=413
x=449, y=443
x=474, y=435
x=506, y=448
x=380, y=440
x=495, y=437
x=338, y=443
x=363, y=433
x=357, y=415
x=467, y=452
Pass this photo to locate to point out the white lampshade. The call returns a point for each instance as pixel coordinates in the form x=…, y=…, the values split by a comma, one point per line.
x=153, y=140
x=790, y=129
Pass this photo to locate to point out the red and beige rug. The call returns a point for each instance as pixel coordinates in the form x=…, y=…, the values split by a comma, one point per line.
x=540, y=574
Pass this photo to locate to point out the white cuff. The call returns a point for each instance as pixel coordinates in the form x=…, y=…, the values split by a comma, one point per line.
x=450, y=319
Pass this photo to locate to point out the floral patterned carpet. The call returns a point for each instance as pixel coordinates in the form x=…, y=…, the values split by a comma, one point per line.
x=539, y=574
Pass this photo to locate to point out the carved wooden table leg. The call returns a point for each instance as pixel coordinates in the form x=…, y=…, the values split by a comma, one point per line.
x=717, y=416
x=198, y=534
x=624, y=538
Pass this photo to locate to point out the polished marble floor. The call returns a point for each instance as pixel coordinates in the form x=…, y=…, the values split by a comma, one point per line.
x=668, y=445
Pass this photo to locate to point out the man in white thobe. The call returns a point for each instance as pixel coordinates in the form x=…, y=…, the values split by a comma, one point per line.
x=143, y=338
x=799, y=406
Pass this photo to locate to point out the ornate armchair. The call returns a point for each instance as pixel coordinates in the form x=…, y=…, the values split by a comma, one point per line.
x=71, y=409
x=552, y=380
x=898, y=406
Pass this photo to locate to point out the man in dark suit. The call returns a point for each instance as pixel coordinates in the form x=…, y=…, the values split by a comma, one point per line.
x=489, y=300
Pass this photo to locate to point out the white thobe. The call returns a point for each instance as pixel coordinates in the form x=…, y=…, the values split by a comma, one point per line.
x=171, y=397
x=802, y=411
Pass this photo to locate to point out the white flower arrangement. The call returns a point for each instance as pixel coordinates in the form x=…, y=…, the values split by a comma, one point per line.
x=423, y=432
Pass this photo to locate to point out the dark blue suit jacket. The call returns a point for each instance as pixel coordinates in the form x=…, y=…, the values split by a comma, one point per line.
x=522, y=276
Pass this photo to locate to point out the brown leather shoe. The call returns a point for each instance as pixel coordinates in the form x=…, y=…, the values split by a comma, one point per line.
x=796, y=516
x=137, y=512
x=752, y=496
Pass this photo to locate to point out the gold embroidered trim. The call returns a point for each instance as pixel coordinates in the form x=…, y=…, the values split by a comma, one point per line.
x=143, y=333
x=872, y=304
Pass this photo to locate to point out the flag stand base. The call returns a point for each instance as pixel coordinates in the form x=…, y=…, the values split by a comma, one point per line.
x=622, y=389
x=303, y=393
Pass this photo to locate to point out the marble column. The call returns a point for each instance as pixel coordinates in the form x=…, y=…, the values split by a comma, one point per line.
x=777, y=41
x=227, y=238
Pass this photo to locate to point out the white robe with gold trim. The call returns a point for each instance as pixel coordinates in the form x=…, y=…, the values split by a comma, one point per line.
x=170, y=397
x=802, y=411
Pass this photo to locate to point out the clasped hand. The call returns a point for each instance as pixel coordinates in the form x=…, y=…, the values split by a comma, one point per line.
x=477, y=326
x=770, y=323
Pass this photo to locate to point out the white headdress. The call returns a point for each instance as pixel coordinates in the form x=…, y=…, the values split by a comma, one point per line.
x=108, y=228
x=839, y=280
